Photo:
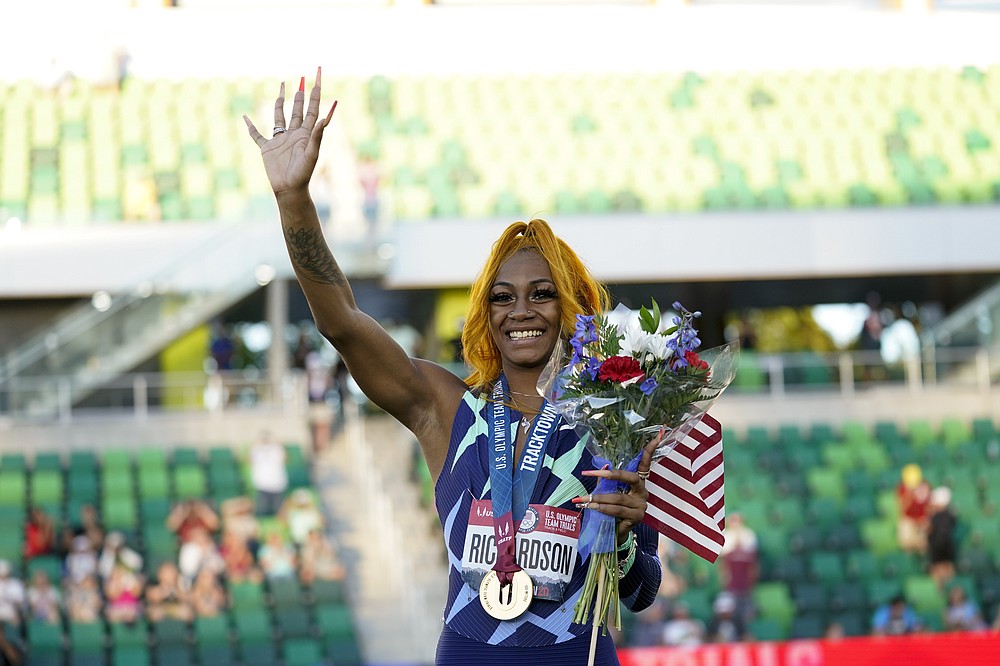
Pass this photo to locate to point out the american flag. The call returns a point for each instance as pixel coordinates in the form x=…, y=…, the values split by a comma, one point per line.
x=686, y=491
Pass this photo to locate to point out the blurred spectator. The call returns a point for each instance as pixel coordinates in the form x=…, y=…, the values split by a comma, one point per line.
x=895, y=618
x=167, y=599
x=222, y=347
x=268, y=475
x=739, y=559
x=116, y=554
x=82, y=560
x=83, y=600
x=238, y=560
x=301, y=515
x=318, y=559
x=238, y=518
x=277, y=557
x=190, y=516
x=12, y=648
x=682, y=630
x=12, y=597
x=914, y=495
x=834, y=631
x=198, y=554
x=90, y=527
x=207, y=596
x=961, y=613
x=649, y=624
x=43, y=599
x=941, y=541
x=319, y=382
x=39, y=534
x=726, y=626
x=123, y=595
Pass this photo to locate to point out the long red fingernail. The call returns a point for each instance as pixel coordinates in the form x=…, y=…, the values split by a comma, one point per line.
x=302, y=84
x=577, y=500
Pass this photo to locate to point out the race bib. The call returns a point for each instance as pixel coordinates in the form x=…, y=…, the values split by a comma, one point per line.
x=545, y=545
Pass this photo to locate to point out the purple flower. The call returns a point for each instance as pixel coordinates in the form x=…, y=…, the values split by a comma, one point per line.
x=648, y=386
x=586, y=330
x=592, y=368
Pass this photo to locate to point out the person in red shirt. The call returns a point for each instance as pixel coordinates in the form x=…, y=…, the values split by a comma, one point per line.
x=914, y=495
x=39, y=534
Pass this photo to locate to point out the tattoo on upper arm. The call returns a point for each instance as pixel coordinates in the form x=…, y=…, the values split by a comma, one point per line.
x=311, y=255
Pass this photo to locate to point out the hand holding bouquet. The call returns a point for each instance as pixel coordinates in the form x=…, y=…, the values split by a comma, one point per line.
x=627, y=385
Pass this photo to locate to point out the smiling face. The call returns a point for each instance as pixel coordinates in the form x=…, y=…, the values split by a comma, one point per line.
x=524, y=312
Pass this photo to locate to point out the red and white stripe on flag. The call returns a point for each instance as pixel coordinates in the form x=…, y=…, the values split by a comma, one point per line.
x=686, y=491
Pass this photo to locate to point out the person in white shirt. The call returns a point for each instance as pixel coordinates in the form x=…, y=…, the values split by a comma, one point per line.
x=268, y=475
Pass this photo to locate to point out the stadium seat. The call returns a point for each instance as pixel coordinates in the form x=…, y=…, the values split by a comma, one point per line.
x=302, y=652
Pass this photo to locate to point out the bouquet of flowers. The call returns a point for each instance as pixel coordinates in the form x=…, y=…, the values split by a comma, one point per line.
x=626, y=384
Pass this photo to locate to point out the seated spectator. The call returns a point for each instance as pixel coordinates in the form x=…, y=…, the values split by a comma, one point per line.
x=301, y=515
x=116, y=554
x=277, y=557
x=726, y=626
x=90, y=527
x=43, y=599
x=83, y=600
x=238, y=517
x=200, y=552
x=12, y=597
x=82, y=560
x=123, y=592
x=238, y=560
x=167, y=599
x=895, y=618
x=207, y=596
x=12, y=648
x=961, y=613
x=682, y=630
x=39, y=534
x=189, y=516
x=318, y=559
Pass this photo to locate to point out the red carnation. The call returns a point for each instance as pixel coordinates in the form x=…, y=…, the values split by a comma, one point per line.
x=619, y=369
x=694, y=362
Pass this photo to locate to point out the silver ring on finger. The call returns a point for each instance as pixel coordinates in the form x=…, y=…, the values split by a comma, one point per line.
x=643, y=475
x=278, y=130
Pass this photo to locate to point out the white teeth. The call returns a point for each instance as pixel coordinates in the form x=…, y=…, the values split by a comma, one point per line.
x=521, y=335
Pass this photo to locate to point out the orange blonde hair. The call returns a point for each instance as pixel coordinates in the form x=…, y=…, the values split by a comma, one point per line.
x=579, y=293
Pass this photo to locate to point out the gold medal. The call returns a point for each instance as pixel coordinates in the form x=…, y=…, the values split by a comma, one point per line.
x=506, y=602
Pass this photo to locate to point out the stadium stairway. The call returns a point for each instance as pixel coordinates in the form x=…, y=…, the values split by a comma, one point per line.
x=366, y=480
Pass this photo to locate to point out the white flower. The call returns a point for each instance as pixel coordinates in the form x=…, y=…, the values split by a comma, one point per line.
x=637, y=343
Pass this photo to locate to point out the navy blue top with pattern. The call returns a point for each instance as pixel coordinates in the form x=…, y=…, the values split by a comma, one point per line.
x=466, y=474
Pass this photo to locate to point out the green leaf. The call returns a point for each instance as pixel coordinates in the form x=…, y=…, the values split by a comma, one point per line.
x=646, y=320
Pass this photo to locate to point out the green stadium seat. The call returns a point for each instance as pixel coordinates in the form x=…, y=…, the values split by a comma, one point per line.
x=293, y=622
x=768, y=629
x=129, y=635
x=773, y=601
x=86, y=636
x=170, y=632
x=48, y=462
x=247, y=595
x=923, y=594
x=13, y=488
x=258, y=653
x=302, y=652
x=211, y=631
x=216, y=655
x=879, y=535
x=130, y=655
x=285, y=593
x=252, y=624
x=190, y=482
x=13, y=462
